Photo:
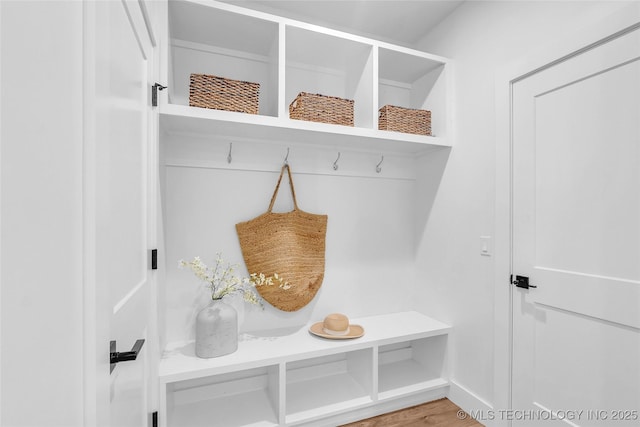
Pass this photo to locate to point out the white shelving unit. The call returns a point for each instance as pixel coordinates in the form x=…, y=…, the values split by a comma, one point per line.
x=297, y=378
x=287, y=57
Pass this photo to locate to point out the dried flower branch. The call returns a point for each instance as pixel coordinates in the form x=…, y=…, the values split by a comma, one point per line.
x=222, y=280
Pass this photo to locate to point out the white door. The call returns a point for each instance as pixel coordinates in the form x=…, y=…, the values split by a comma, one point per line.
x=576, y=236
x=119, y=197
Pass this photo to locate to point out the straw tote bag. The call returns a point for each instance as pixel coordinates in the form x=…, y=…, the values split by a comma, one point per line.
x=291, y=244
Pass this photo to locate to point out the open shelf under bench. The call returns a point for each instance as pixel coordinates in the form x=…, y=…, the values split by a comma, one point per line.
x=296, y=377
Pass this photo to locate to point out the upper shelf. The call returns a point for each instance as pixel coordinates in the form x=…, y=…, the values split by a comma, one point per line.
x=287, y=57
x=179, y=119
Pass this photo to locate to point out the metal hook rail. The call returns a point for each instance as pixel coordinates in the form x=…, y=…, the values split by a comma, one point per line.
x=335, y=164
x=378, y=168
x=286, y=159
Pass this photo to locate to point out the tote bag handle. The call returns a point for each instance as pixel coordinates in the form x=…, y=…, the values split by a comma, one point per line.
x=275, y=193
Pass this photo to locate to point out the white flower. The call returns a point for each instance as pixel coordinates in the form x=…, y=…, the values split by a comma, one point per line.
x=222, y=280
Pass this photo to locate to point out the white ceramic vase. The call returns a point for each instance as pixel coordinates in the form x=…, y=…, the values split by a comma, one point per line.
x=216, y=330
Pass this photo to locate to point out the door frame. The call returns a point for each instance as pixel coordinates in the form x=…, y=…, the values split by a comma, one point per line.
x=597, y=32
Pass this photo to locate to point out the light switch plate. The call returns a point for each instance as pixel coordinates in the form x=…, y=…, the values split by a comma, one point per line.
x=485, y=246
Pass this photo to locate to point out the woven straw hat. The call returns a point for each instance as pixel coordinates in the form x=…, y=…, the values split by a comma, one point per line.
x=336, y=327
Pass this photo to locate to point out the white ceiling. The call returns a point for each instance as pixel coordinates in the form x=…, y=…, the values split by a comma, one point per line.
x=402, y=22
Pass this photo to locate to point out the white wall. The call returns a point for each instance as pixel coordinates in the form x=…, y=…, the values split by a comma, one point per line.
x=370, y=232
x=41, y=278
x=457, y=283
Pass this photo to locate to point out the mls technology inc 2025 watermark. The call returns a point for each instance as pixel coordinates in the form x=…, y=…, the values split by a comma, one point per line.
x=547, y=415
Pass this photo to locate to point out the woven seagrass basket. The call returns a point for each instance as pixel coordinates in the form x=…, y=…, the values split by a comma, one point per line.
x=405, y=120
x=322, y=108
x=220, y=93
x=291, y=244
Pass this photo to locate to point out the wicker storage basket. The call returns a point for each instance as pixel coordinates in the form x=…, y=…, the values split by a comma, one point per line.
x=219, y=93
x=405, y=120
x=322, y=108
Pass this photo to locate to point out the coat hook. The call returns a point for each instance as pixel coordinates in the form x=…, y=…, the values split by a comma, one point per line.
x=229, y=158
x=286, y=159
x=378, y=168
x=335, y=164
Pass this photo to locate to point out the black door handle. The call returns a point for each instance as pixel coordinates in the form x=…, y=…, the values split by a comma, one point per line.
x=123, y=356
x=522, y=282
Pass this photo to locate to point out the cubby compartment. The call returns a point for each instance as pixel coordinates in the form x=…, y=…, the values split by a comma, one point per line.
x=411, y=367
x=414, y=80
x=329, y=65
x=327, y=385
x=287, y=57
x=214, y=41
x=223, y=399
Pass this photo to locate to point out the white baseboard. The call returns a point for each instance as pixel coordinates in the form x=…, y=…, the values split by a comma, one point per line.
x=470, y=402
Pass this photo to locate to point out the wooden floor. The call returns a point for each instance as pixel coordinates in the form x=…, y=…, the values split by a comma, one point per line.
x=439, y=413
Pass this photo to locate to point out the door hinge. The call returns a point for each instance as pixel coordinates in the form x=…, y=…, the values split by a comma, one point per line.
x=154, y=259
x=521, y=282
x=154, y=419
x=154, y=93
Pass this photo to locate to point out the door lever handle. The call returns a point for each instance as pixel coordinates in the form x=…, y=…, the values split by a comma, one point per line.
x=522, y=282
x=123, y=356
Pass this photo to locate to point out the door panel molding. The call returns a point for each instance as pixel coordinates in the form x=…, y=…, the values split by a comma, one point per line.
x=590, y=275
x=625, y=311
x=587, y=317
x=595, y=74
x=579, y=51
x=627, y=19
